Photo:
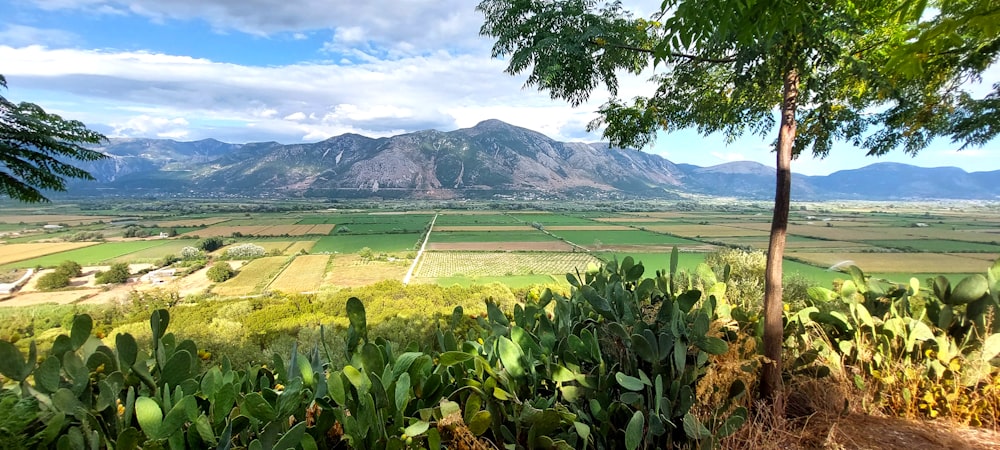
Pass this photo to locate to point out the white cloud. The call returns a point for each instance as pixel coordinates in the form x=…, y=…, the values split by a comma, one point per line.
x=296, y=116
x=149, y=126
x=21, y=35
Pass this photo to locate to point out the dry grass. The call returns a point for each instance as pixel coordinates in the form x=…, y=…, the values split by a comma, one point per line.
x=351, y=271
x=185, y=222
x=304, y=274
x=588, y=228
x=299, y=246
x=59, y=297
x=252, y=278
x=19, y=252
x=447, y=264
x=629, y=219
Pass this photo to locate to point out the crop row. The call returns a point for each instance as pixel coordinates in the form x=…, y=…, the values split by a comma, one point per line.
x=447, y=264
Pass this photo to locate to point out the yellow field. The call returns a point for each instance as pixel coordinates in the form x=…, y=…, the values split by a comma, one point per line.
x=629, y=219
x=956, y=235
x=298, y=246
x=53, y=219
x=351, y=271
x=899, y=262
x=839, y=232
x=19, y=252
x=59, y=297
x=304, y=274
x=252, y=277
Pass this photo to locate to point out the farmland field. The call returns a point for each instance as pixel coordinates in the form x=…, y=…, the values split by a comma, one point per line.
x=353, y=243
x=90, y=255
x=551, y=219
x=19, y=252
x=490, y=236
x=484, y=264
x=936, y=245
x=630, y=237
x=513, y=281
x=475, y=218
x=898, y=262
x=43, y=219
x=372, y=223
x=261, y=230
x=252, y=277
x=168, y=247
x=304, y=274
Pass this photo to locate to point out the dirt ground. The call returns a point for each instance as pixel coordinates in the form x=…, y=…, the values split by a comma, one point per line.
x=863, y=432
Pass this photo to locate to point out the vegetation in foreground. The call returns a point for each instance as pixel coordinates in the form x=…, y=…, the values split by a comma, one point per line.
x=622, y=359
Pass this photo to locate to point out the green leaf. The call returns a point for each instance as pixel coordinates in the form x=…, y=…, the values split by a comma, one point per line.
x=419, y=427
x=449, y=359
x=291, y=438
x=158, y=323
x=582, y=430
x=694, y=429
x=633, y=432
x=993, y=277
x=712, y=345
x=127, y=349
x=480, y=422
x=495, y=315
x=12, y=364
x=47, y=375
x=402, y=394
x=149, y=415
x=971, y=288
x=255, y=406
x=178, y=368
x=511, y=356
x=82, y=326
x=628, y=382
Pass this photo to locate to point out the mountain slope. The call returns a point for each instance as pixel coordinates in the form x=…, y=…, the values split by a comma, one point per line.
x=488, y=160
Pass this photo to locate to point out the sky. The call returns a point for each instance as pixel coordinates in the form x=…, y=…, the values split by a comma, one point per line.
x=296, y=71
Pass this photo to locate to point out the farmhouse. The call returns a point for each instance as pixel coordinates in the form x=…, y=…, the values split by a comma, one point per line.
x=158, y=276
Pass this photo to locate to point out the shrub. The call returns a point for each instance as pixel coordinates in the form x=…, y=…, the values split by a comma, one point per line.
x=52, y=281
x=191, y=253
x=70, y=268
x=210, y=244
x=117, y=274
x=220, y=272
x=245, y=251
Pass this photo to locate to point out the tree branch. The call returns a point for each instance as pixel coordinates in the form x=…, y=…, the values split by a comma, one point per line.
x=672, y=54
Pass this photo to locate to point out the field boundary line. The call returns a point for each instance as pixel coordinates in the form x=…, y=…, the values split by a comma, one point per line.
x=420, y=253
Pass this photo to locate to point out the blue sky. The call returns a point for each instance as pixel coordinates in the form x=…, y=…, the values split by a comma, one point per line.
x=305, y=70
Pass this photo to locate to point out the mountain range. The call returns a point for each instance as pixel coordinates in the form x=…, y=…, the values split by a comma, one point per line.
x=490, y=160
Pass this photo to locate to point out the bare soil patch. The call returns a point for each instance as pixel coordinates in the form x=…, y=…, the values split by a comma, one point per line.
x=58, y=297
x=352, y=271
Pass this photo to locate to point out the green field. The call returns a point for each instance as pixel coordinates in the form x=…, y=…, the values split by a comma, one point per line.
x=620, y=237
x=657, y=261
x=484, y=218
x=350, y=243
x=935, y=245
x=151, y=254
x=95, y=254
x=552, y=219
x=372, y=223
x=490, y=236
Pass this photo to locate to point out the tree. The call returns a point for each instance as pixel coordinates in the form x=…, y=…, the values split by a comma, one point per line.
x=220, y=271
x=72, y=269
x=210, y=244
x=117, y=274
x=833, y=70
x=33, y=147
x=52, y=281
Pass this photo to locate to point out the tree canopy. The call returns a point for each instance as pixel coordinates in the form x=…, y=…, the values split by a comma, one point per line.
x=874, y=73
x=34, y=148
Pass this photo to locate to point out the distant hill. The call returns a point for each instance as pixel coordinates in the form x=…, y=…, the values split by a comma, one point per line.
x=490, y=160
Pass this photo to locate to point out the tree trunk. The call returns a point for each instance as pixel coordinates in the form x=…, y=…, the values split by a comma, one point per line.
x=770, y=383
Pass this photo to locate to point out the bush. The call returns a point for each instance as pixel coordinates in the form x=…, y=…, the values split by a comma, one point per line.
x=210, y=244
x=245, y=251
x=220, y=272
x=191, y=253
x=117, y=274
x=71, y=269
x=52, y=281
